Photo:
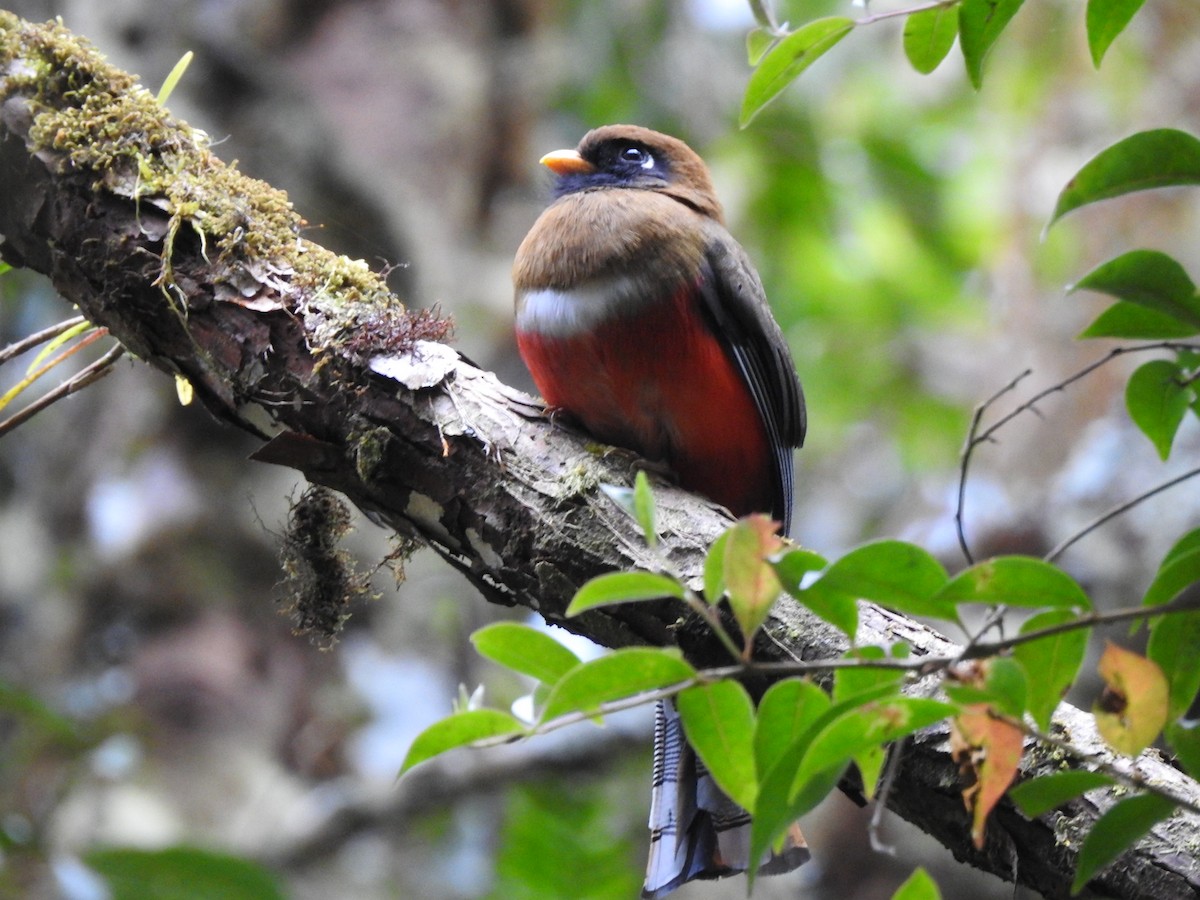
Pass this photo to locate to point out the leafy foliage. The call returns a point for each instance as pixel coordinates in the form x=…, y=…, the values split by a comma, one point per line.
x=791, y=56
x=779, y=760
x=781, y=56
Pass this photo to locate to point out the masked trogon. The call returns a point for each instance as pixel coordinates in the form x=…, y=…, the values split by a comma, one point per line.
x=639, y=315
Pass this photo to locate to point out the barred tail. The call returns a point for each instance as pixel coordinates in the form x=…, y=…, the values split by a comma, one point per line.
x=695, y=830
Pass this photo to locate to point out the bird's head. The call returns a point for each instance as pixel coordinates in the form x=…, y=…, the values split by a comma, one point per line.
x=636, y=158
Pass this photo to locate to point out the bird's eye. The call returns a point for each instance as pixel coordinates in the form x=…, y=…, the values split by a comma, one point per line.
x=637, y=156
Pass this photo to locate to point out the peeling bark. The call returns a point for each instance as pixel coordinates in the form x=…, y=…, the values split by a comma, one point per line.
x=466, y=464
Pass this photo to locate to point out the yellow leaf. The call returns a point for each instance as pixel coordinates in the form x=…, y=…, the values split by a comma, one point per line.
x=1132, y=709
x=987, y=750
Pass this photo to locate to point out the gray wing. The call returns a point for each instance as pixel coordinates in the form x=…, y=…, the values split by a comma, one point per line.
x=737, y=305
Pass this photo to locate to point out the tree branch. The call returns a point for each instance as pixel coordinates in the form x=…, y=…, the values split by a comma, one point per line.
x=200, y=271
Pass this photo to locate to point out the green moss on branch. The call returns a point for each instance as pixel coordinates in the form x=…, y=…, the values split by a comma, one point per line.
x=90, y=117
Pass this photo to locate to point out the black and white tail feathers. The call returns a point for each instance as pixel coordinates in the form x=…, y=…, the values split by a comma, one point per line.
x=695, y=830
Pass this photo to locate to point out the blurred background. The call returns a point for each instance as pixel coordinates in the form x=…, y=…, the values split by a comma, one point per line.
x=151, y=695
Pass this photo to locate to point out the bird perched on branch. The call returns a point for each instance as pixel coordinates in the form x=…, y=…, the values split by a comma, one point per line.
x=639, y=315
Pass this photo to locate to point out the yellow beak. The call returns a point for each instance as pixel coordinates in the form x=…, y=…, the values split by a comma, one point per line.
x=566, y=162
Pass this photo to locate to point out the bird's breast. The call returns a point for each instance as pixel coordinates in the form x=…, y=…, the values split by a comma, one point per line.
x=651, y=376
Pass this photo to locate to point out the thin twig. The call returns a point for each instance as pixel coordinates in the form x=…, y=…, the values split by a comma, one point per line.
x=21, y=386
x=995, y=617
x=38, y=337
x=976, y=437
x=1082, y=373
x=973, y=440
x=1185, y=602
x=1116, y=511
x=78, y=382
x=603, y=709
x=890, y=772
x=906, y=11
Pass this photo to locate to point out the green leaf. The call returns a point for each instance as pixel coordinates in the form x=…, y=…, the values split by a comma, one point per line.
x=172, y=80
x=788, y=59
x=1186, y=544
x=1117, y=830
x=1015, y=581
x=623, y=587
x=1105, y=20
x=856, y=682
x=1038, y=796
x=718, y=720
x=852, y=682
x=773, y=813
x=838, y=609
x=779, y=762
x=928, y=37
x=918, y=886
x=1007, y=686
x=182, y=873
x=1149, y=159
x=758, y=42
x=714, y=569
x=795, y=564
x=1150, y=279
x=1184, y=740
x=1180, y=569
x=1157, y=401
x=643, y=508
x=524, y=649
x=751, y=584
x=1133, y=322
x=786, y=714
x=459, y=730
x=895, y=574
x=980, y=23
x=622, y=673
x=1050, y=663
x=870, y=725
x=1173, y=643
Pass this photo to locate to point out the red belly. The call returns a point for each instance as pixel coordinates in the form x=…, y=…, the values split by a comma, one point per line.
x=661, y=384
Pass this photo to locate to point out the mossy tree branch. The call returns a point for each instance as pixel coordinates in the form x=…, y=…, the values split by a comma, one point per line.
x=200, y=271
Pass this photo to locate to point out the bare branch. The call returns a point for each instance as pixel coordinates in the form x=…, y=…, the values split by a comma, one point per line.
x=1116, y=511
x=38, y=337
x=973, y=440
x=89, y=375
